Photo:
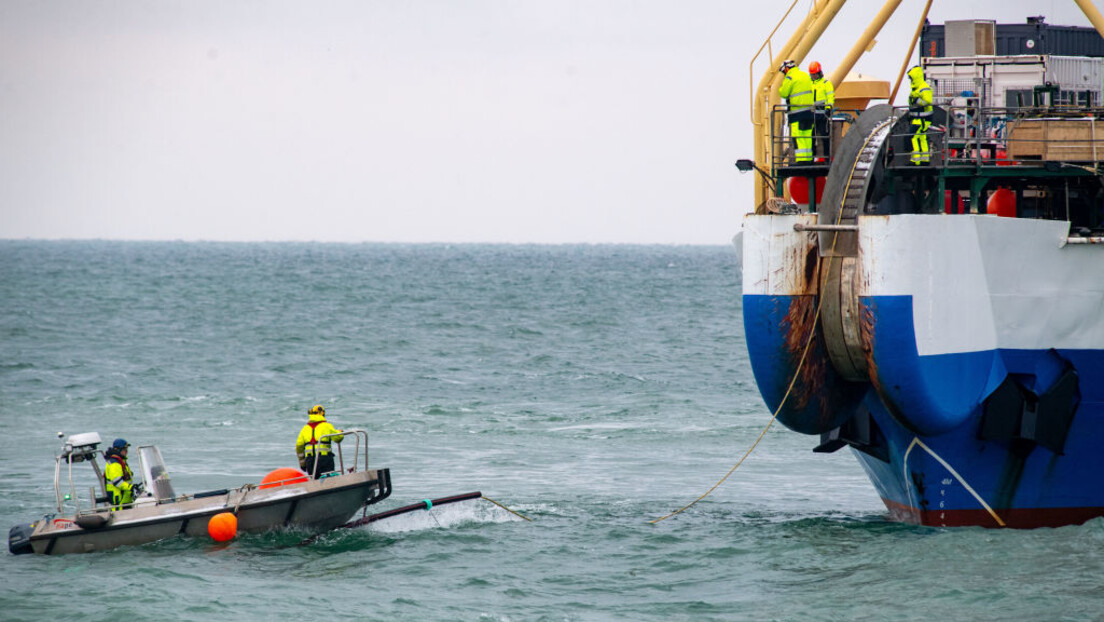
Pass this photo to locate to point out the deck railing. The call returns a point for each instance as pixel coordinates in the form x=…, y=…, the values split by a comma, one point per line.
x=963, y=136
x=975, y=137
x=357, y=435
x=825, y=135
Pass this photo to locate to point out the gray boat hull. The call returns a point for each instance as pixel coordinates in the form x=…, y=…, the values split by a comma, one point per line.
x=314, y=505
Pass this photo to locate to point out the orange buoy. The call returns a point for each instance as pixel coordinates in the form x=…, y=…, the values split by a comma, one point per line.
x=799, y=189
x=223, y=527
x=1002, y=203
x=282, y=477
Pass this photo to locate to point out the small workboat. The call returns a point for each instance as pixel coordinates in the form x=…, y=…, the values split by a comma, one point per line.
x=286, y=497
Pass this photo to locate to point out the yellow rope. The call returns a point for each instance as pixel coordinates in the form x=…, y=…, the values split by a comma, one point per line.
x=764, y=432
x=507, y=509
x=805, y=350
x=970, y=489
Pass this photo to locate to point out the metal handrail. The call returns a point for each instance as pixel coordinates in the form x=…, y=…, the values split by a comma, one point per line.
x=357, y=434
x=780, y=136
x=770, y=61
x=976, y=136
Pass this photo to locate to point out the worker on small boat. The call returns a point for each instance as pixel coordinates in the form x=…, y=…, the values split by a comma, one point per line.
x=824, y=100
x=118, y=478
x=920, y=109
x=797, y=90
x=311, y=447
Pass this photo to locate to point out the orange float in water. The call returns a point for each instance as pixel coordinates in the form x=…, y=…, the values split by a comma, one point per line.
x=1002, y=203
x=223, y=527
x=799, y=189
x=282, y=477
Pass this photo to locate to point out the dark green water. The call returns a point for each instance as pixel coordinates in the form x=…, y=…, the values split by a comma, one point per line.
x=592, y=388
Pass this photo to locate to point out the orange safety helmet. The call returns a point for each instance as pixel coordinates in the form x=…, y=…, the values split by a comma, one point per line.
x=814, y=67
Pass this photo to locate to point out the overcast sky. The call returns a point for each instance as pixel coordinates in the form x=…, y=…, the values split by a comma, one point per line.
x=410, y=121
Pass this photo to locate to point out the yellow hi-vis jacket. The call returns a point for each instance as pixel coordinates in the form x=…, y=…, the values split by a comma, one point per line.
x=920, y=97
x=797, y=89
x=117, y=477
x=824, y=94
x=310, y=437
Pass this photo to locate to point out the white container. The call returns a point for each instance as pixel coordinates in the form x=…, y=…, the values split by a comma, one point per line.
x=1008, y=81
x=1078, y=73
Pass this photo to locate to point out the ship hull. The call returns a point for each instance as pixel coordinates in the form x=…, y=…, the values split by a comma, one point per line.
x=982, y=352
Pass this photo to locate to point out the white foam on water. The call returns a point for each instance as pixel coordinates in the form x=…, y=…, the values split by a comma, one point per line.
x=473, y=511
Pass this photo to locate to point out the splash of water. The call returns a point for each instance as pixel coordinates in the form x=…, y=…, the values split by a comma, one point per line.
x=475, y=511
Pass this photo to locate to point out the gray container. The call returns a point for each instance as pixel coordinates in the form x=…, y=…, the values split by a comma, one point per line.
x=969, y=37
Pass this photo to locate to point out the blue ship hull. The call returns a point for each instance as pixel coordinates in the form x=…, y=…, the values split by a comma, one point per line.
x=954, y=477
x=981, y=394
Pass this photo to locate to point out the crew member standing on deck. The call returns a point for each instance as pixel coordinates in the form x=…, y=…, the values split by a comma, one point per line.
x=797, y=90
x=118, y=479
x=312, y=447
x=824, y=100
x=920, y=110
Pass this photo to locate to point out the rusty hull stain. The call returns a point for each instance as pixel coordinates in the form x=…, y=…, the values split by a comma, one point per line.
x=819, y=396
x=799, y=323
x=866, y=326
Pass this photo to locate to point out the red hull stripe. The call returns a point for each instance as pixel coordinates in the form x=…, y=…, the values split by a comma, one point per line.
x=1018, y=518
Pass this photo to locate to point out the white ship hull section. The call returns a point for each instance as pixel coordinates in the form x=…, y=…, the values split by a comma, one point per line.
x=1027, y=290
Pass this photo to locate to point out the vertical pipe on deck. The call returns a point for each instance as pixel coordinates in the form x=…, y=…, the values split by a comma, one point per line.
x=760, y=118
x=770, y=60
x=908, y=55
x=766, y=97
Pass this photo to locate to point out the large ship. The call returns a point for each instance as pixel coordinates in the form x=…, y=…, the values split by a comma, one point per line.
x=942, y=313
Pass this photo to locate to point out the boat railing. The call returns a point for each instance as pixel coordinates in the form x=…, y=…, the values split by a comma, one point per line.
x=66, y=493
x=826, y=130
x=960, y=135
x=155, y=476
x=971, y=137
x=358, y=435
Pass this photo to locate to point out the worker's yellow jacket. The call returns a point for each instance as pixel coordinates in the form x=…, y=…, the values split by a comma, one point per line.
x=310, y=437
x=797, y=90
x=824, y=94
x=117, y=478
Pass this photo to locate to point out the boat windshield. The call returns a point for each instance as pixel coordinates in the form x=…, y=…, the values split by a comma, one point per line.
x=155, y=473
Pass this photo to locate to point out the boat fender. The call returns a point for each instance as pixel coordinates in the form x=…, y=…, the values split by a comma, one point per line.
x=19, y=538
x=92, y=521
x=428, y=503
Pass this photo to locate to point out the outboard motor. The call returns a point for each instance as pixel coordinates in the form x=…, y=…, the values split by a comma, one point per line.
x=19, y=539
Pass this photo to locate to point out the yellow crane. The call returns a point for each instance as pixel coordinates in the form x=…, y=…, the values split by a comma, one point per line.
x=764, y=98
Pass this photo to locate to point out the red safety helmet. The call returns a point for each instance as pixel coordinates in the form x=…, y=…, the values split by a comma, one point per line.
x=814, y=67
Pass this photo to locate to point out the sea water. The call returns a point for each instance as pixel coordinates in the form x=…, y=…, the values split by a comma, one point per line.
x=592, y=389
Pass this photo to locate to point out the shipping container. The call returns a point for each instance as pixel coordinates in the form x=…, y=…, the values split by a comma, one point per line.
x=1034, y=37
x=1012, y=81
